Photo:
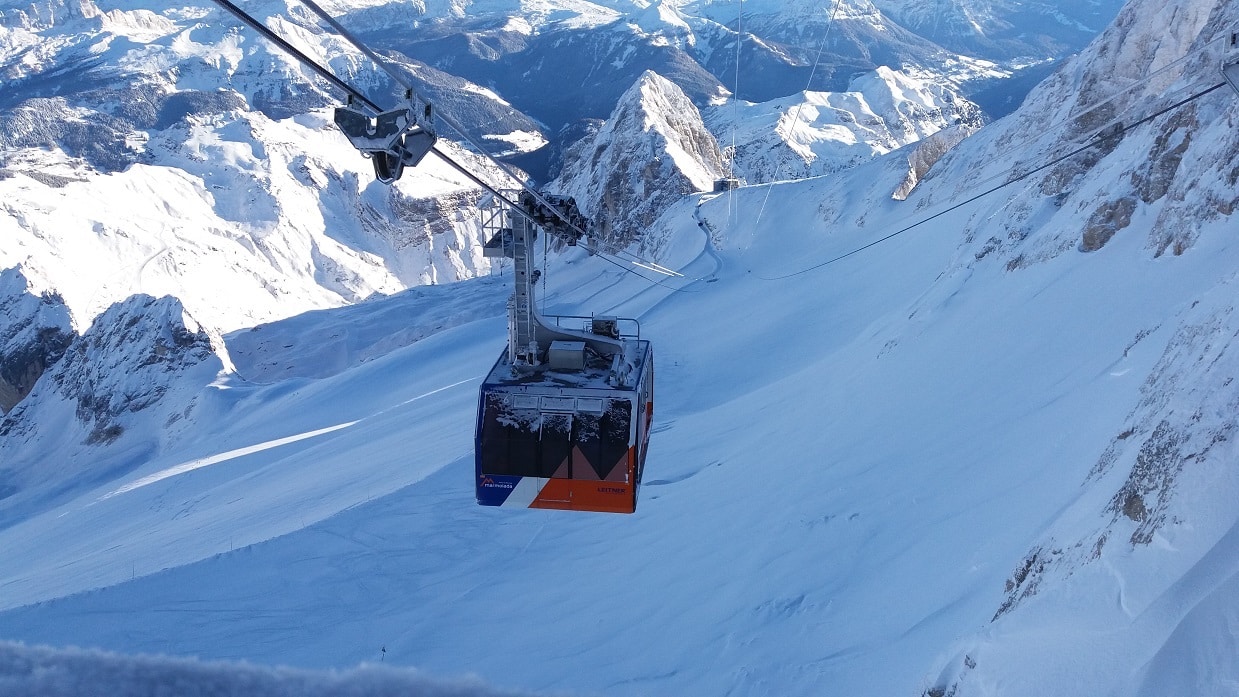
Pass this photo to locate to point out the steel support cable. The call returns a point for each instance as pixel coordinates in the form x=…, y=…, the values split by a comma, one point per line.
x=1091, y=144
x=383, y=64
x=378, y=60
x=348, y=36
x=1019, y=144
x=1064, y=123
x=293, y=51
x=279, y=41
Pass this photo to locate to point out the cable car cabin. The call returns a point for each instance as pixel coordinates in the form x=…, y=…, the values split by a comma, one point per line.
x=572, y=436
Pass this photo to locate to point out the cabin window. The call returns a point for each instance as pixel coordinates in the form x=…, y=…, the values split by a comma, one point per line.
x=528, y=443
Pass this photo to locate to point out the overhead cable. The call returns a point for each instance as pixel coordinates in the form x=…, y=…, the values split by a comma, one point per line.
x=796, y=117
x=447, y=118
x=1091, y=144
x=379, y=61
x=358, y=96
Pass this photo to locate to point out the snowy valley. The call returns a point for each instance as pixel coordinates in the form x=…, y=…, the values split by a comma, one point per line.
x=945, y=407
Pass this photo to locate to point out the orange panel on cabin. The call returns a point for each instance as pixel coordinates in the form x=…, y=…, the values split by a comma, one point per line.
x=584, y=495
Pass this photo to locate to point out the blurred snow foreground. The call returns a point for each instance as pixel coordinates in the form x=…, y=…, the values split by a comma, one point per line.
x=43, y=672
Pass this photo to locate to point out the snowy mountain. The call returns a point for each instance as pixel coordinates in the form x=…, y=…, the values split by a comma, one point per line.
x=532, y=52
x=652, y=152
x=794, y=46
x=817, y=133
x=784, y=48
x=1155, y=518
x=219, y=144
x=998, y=29
x=186, y=157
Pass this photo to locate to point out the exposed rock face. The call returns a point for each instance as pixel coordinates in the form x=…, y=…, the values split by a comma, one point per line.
x=651, y=152
x=35, y=330
x=118, y=387
x=1177, y=170
x=1183, y=428
x=127, y=361
x=928, y=151
x=1105, y=222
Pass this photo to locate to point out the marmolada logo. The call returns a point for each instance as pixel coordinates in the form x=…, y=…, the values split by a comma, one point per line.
x=489, y=483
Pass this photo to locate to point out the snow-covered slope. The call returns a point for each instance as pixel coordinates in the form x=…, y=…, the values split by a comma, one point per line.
x=1153, y=525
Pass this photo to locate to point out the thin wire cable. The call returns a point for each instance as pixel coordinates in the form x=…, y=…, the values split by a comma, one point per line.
x=1065, y=123
x=796, y=117
x=1199, y=50
x=580, y=243
x=1143, y=80
x=1021, y=177
x=348, y=36
x=735, y=110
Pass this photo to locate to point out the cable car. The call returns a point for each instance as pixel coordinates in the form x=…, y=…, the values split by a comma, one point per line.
x=564, y=415
x=568, y=437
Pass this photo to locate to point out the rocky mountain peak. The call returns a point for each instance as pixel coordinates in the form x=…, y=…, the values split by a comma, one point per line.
x=128, y=359
x=653, y=150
